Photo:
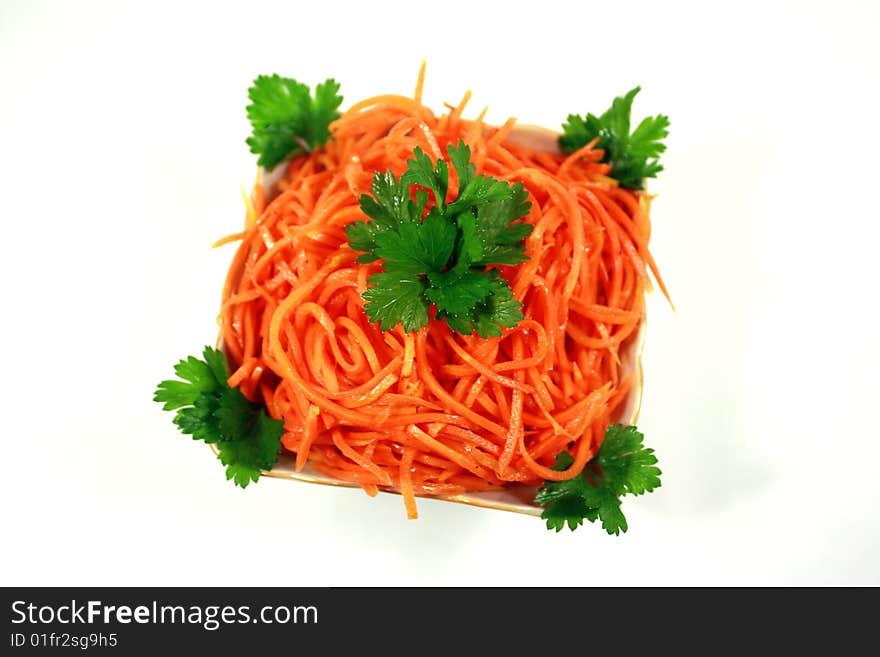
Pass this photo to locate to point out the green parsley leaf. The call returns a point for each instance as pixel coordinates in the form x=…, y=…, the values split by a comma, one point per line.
x=604, y=505
x=247, y=439
x=233, y=416
x=494, y=218
x=417, y=248
x=198, y=378
x=390, y=208
x=502, y=241
x=625, y=462
x=470, y=247
x=460, y=156
x=498, y=310
x=392, y=203
x=633, y=157
x=623, y=466
x=421, y=171
x=480, y=190
x=571, y=510
x=324, y=110
x=397, y=297
x=286, y=119
x=458, y=294
x=362, y=237
x=244, y=459
x=198, y=420
x=442, y=259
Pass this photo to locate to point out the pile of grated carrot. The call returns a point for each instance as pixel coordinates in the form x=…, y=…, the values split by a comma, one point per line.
x=435, y=412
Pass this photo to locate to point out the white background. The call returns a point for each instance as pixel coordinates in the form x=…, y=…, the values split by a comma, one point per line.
x=122, y=152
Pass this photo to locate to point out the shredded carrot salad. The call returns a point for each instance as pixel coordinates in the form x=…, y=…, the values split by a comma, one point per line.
x=435, y=412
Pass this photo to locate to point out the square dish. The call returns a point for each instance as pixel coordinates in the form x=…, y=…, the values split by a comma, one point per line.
x=515, y=498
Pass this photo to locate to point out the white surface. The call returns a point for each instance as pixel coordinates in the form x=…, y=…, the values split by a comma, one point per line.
x=121, y=156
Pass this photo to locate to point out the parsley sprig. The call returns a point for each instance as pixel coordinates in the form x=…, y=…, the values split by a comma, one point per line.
x=286, y=119
x=633, y=157
x=623, y=466
x=247, y=439
x=442, y=259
